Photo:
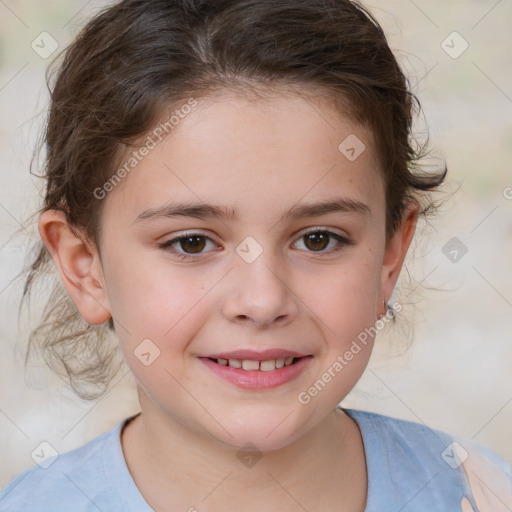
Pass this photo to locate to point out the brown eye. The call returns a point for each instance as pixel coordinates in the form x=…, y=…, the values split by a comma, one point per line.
x=316, y=241
x=319, y=240
x=189, y=245
x=193, y=244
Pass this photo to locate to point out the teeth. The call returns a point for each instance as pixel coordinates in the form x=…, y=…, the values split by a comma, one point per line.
x=267, y=366
x=250, y=364
x=247, y=364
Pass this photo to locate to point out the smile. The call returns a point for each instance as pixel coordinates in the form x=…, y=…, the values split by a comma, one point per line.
x=251, y=364
x=255, y=374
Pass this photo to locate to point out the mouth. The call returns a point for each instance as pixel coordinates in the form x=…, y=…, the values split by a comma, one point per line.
x=267, y=365
x=257, y=372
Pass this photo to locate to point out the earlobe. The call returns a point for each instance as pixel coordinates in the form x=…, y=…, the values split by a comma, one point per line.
x=78, y=265
x=396, y=250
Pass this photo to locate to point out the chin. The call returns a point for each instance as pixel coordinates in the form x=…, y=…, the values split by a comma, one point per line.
x=266, y=430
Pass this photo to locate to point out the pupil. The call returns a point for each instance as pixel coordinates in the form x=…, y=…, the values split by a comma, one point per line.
x=322, y=237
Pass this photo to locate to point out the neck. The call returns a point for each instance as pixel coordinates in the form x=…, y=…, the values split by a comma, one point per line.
x=324, y=469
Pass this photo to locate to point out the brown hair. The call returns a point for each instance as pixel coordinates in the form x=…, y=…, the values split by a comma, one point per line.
x=139, y=58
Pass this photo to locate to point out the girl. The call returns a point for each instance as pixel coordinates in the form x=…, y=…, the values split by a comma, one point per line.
x=231, y=189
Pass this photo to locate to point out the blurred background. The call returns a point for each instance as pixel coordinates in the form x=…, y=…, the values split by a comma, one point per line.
x=457, y=286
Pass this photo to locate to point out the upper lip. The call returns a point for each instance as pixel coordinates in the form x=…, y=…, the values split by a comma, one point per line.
x=264, y=355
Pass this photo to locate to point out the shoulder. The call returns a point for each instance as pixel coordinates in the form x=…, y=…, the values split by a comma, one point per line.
x=414, y=460
x=75, y=480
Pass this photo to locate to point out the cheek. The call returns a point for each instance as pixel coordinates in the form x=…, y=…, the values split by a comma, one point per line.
x=156, y=301
x=344, y=304
x=160, y=311
x=344, y=298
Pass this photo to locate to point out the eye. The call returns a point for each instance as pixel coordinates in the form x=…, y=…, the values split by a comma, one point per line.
x=191, y=243
x=318, y=239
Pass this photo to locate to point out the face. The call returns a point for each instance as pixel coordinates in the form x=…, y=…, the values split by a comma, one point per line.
x=253, y=283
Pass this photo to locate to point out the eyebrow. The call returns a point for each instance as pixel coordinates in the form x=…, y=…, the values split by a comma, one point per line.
x=205, y=211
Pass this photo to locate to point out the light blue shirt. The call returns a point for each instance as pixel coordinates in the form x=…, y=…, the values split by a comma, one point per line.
x=411, y=468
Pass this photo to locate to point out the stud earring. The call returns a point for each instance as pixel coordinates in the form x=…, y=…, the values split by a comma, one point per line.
x=387, y=308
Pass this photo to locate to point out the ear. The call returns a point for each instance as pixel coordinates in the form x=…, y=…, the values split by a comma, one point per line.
x=396, y=250
x=79, y=266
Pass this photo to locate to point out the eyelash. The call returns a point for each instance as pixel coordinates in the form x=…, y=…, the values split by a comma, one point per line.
x=168, y=244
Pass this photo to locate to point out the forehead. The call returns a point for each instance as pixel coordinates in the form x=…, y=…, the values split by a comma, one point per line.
x=254, y=152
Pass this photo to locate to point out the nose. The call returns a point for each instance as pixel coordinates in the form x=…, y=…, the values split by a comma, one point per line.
x=260, y=293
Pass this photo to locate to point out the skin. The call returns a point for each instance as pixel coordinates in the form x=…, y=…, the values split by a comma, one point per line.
x=261, y=157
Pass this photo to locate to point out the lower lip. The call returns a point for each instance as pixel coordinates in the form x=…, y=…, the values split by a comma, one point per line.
x=257, y=379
